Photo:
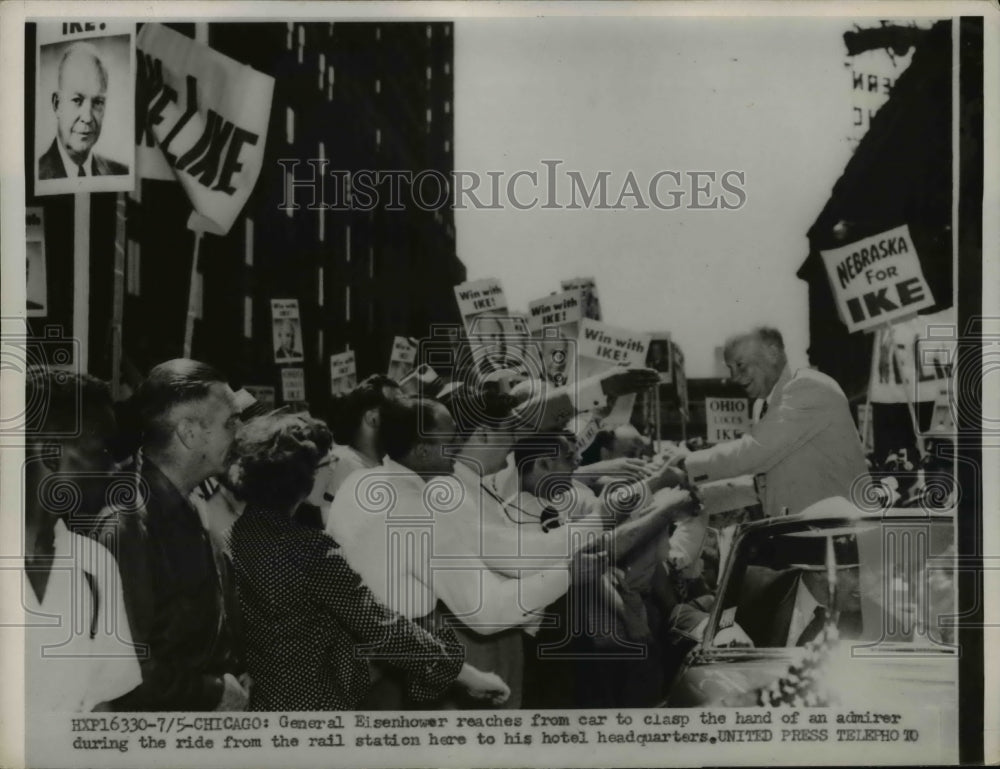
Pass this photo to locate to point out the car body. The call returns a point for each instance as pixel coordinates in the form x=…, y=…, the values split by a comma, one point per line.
x=888, y=577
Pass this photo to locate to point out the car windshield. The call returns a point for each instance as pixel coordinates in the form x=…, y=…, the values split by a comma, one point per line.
x=882, y=581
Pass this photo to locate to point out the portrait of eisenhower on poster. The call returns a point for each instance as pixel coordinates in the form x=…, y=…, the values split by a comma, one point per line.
x=84, y=107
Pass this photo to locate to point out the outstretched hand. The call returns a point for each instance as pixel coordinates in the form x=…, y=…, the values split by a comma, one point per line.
x=626, y=381
x=481, y=685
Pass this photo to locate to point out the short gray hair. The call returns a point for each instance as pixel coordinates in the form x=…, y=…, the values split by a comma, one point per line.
x=84, y=49
x=767, y=336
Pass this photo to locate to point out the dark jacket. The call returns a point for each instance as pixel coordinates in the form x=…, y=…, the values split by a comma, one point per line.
x=50, y=165
x=174, y=583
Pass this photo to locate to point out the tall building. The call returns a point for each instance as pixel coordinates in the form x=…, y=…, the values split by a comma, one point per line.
x=359, y=97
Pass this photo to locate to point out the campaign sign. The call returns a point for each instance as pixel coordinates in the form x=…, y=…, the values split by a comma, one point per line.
x=34, y=265
x=263, y=394
x=877, y=279
x=202, y=120
x=556, y=318
x=591, y=303
x=913, y=358
x=84, y=107
x=601, y=346
x=726, y=418
x=555, y=310
x=401, y=359
x=660, y=358
x=343, y=373
x=293, y=384
x=287, y=331
x=479, y=296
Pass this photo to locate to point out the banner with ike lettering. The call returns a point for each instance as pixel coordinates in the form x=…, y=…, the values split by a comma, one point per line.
x=600, y=347
x=877, y=280
x=201, y=118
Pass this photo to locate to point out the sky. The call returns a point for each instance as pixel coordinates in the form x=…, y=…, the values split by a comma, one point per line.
x=769, y=98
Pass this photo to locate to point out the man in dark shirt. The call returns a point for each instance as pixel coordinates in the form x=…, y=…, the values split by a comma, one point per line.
x=174, y=580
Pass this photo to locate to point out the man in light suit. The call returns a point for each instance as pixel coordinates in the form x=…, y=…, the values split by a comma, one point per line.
x=804, y=447
x=79, y=105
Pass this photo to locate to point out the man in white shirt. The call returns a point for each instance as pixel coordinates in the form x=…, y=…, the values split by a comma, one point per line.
x=400, y=529
x=491, y=526
x=79, y=650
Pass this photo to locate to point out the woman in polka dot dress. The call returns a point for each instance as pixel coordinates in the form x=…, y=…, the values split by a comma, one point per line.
x=311, y=624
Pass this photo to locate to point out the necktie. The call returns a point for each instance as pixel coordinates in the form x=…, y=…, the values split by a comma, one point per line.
x=80, y=171
x=815, y=625
x=763, y=410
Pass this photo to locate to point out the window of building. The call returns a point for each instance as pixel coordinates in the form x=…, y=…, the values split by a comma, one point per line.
x=319, y=287
x=320, y=203
x=347, y=304
x=289, y=125
x=322, y=69
x=248, y=242
x=248, y=317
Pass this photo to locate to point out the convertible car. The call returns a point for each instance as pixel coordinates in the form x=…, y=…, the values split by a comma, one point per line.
x=834, y=606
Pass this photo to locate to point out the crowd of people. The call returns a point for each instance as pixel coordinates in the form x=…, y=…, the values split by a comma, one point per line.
x=400, y=552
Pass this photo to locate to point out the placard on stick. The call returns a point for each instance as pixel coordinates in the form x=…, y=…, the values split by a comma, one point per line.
x=287, y=331
x=726, y=418
x=84, y=107
x=401, y=358
x=263, y=394
x=343, y=373
x=479, y=297
x=601, y=347
x=877, y=279
x=293, y=384
x=559, y=315
x=591, y=302
x=660, y=358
